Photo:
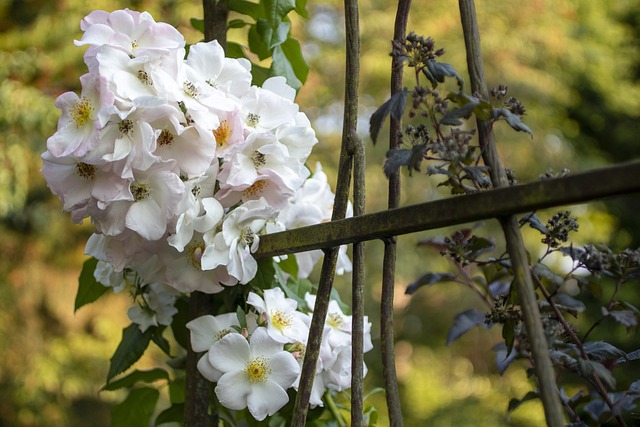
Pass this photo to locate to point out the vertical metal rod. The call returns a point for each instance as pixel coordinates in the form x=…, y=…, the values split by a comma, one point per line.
x=394, y=408
x=543, y=367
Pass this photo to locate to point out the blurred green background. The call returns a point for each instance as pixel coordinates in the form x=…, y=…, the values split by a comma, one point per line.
x=575, y=64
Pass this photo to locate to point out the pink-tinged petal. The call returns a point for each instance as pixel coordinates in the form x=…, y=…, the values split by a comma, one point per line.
x=207, y=370
x=284, y=369
x=266, y=399
x=96, y=34
x=233, y=389
x=147, y=219
x=230, y=353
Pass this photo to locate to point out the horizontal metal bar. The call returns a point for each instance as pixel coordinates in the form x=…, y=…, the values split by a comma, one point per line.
x=572, y=189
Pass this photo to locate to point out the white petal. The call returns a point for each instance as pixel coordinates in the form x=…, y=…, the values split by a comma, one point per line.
x=266, y=399
x=146, y=218
x=231, y=353
x=284, y=369
x=232, y=390
x=207, y=370
x=202, y=330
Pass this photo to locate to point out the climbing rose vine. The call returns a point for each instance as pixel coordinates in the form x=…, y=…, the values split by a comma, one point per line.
x=181, y=165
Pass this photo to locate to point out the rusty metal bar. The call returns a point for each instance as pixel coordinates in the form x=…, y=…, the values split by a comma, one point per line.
x=572, y=189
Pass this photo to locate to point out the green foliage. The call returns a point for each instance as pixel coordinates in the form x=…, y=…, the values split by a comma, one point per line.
x=133, y=345
x=137, y=376
x=89, y=289
x=137, y=409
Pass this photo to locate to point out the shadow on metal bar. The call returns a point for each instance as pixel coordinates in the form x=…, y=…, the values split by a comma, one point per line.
x=578, y=188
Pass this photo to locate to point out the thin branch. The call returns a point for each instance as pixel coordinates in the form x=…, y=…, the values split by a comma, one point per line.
x=515, y=245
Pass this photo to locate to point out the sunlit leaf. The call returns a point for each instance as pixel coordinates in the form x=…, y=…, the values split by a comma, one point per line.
x=237, y=23
x=273, y=36
x=137, y=408
x=256, y=44
x=137, y=377
x=89, y=289
x=242, y=317
x=428, y=279
x=248, y=8
x=178, y=390
x=293, y=52
x=464, y=322
x=131, y=347
x=394, y=106
x=301, y=8
x=280, y=66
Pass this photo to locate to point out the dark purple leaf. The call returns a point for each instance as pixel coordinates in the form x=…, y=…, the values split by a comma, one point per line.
x=600, y=350
x=503, y=359
x=394, y=106
x=409, y=157
x=515, y=403
x=464, y=322
x=428, y=279
x=534, y=222
x=513, y=119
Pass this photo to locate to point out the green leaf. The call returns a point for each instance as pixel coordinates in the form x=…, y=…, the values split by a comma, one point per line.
x=265, y=277
x=464, y=322
x=395, y=106
x=515, y=403
x=89, y=289
x=259, y=74
x=235, y=50
x=177, y=390
x=172, y=414
x=257, y=44
x=237, y=23
x=161, y=341
x=242, y=317
x=136, y=377
x=180, y=319
x=509, y=334
x=273, y=36
x=301, y=8
x=289, y=265
x=248, y=8
x=275, y=10
x=282, y=67
x=293, y=52
x=133, y=345
x=428, y=279
x=296, y=289
x=198, y=24
x=136, y=409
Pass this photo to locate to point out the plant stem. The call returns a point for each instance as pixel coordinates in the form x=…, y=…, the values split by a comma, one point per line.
x=515, y=245
x=333, y=408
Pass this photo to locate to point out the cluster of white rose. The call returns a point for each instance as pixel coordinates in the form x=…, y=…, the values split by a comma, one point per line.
x=181, y=164
x=255, y=365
